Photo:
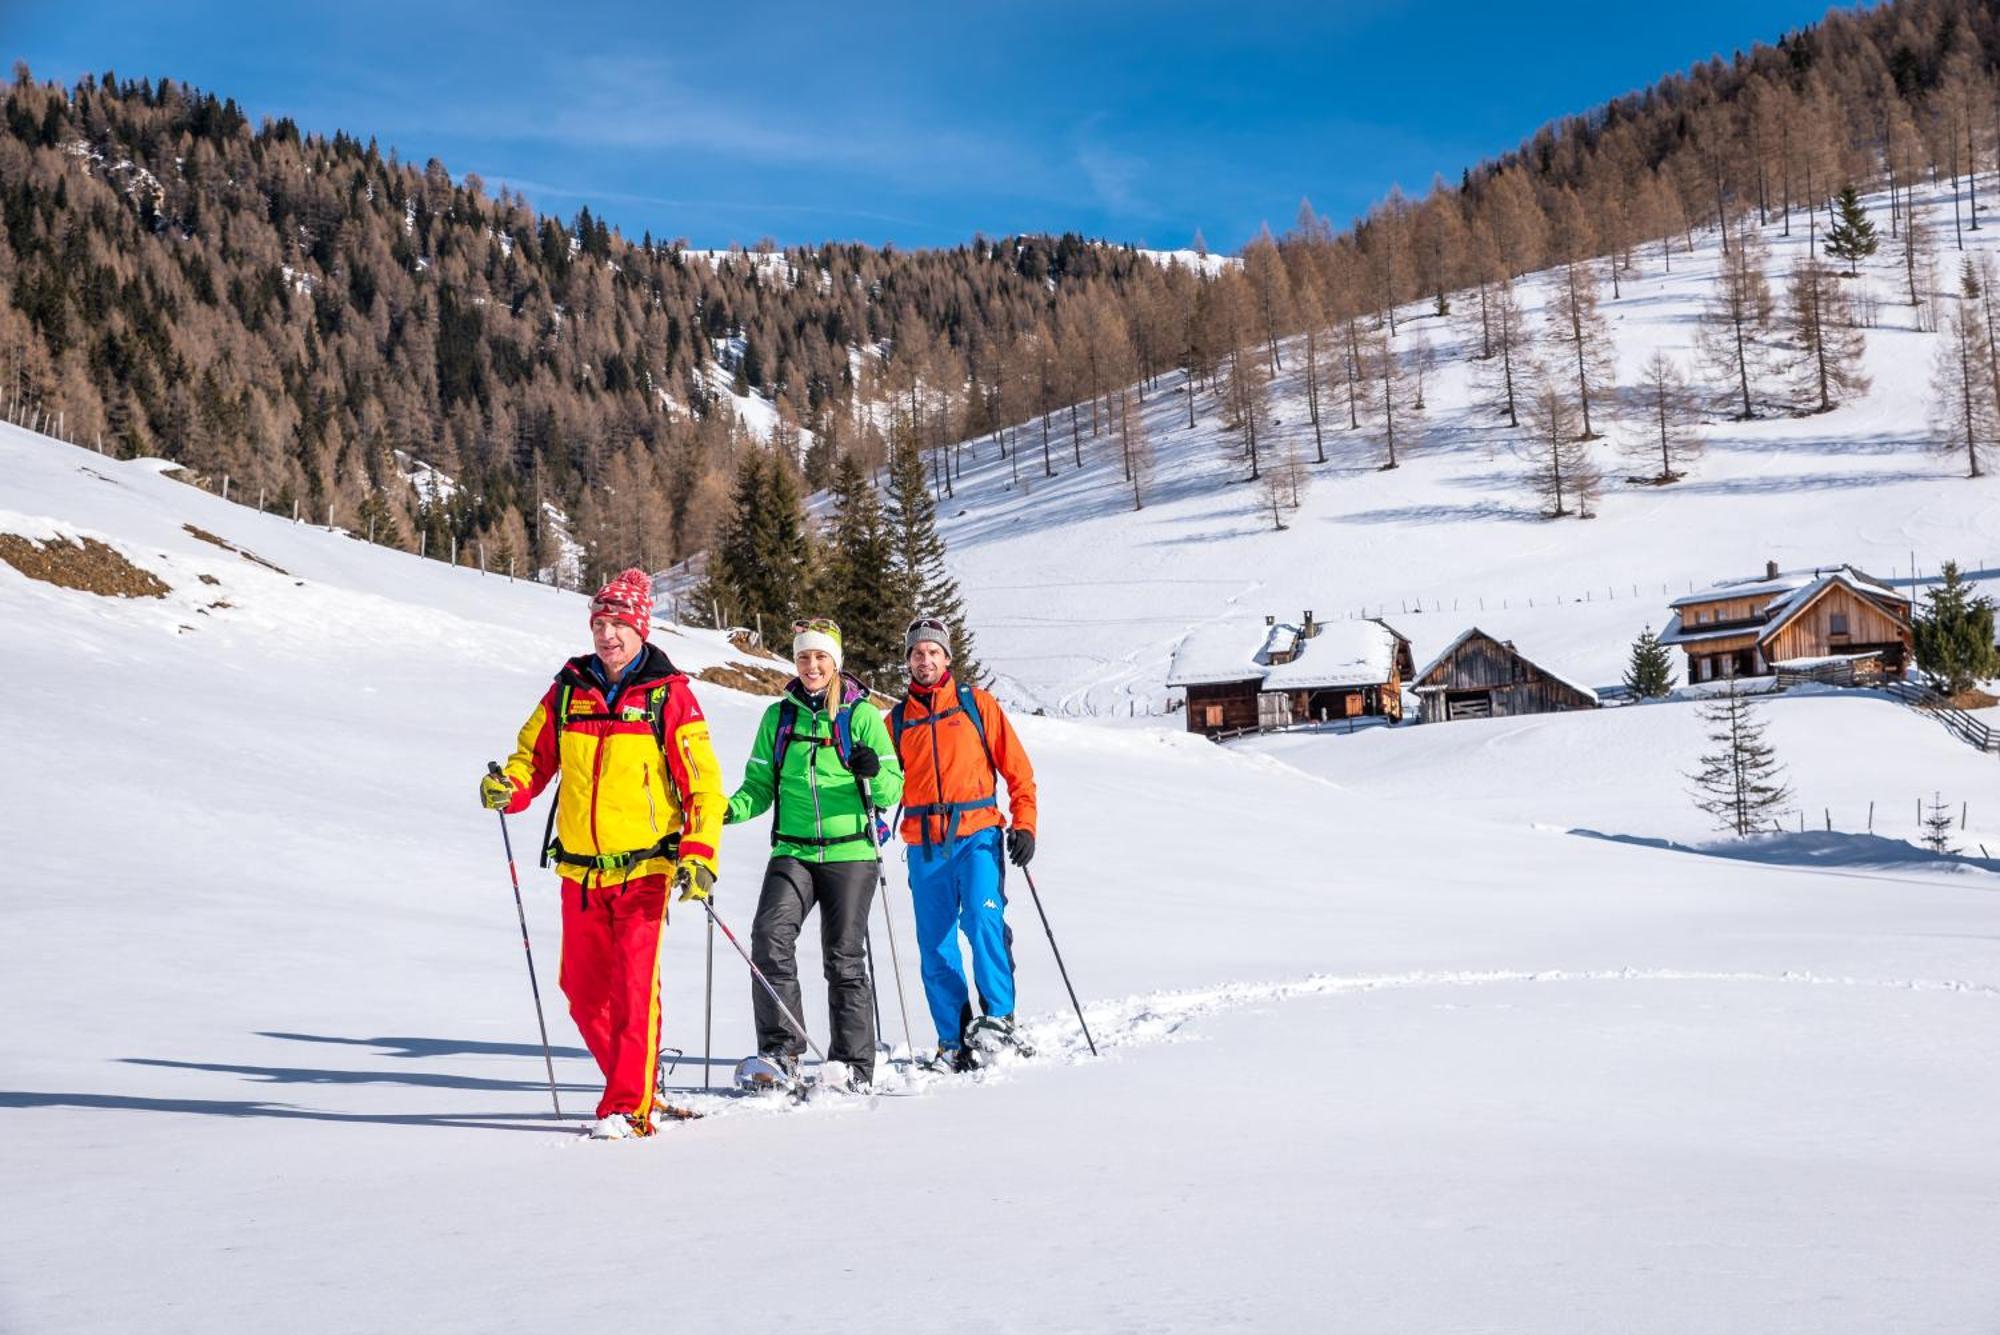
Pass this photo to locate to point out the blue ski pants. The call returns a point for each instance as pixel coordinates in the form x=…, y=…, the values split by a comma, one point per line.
x=959, y=888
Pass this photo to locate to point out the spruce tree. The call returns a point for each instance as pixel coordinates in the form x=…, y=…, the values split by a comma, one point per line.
x=857, y=579
x=1740, y=783
x=759, y=568
x=1651, y=674
x=1954, y=634
x=1852, y=237
x=921, y=585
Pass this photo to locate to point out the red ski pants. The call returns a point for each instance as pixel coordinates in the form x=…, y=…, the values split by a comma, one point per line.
x=611, y=975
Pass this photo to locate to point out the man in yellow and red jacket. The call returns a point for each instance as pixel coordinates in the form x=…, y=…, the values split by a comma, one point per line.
x=957, y=747
x=640, y=803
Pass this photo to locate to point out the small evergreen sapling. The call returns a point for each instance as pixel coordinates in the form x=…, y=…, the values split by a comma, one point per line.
x=1651, y=674
x=1937, y=827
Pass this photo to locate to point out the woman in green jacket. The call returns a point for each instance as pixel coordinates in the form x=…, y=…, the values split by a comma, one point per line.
x=817, y=748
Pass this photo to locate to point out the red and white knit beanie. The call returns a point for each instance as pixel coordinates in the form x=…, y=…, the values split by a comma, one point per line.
x=627, y=598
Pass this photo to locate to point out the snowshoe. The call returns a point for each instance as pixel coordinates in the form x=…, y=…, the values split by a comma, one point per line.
x=948, y=1061
x=664, y=1113
x=619, y=1126
x=840, y=1078
x=768, y=1072
x=990, y=1037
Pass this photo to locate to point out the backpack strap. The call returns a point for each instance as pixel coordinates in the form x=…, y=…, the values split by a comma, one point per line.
x=970, y=704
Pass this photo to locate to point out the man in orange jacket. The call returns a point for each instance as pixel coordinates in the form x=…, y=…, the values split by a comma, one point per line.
x=956, y=746
x=641, y=801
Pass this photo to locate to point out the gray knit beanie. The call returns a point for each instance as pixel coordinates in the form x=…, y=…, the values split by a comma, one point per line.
x=927, y=628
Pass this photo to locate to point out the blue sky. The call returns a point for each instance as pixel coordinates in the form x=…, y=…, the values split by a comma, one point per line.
x=921, y=123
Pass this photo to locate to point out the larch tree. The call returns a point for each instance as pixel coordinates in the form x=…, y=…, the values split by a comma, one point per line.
x=1560, y=468
x=1826, y=365
x=1389, y=382
x=1917, y=249
x=1270, y=291
x=1965, y=419
x=1574, y=328
x=1665, y=419
x=1136, y=445
x=1442, y=242
x=1496, y=381
x=1311, y=313
x=1741, y=783
x=1736, y=323
x=1248, y=396
x=1520, y=228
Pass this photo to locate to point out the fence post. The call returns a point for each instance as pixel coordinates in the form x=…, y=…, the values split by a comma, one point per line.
x=1871, y=815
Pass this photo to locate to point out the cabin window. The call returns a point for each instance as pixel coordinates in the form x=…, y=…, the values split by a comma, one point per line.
x=1836, y=623
x=1704, y=617
x=1211, y=716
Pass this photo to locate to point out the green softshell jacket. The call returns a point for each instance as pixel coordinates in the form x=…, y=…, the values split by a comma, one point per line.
x=817, y=796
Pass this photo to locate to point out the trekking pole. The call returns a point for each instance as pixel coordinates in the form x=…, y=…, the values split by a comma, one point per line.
x=764, y=982
x=708, y=1009
x=888, y=919
x=1060, y=967
x=548, y=1061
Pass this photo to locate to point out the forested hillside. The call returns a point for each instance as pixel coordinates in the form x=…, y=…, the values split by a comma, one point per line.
x=308, y=315
x=292, y=310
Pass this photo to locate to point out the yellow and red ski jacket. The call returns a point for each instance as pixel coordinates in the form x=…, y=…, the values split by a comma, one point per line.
x=636, y=768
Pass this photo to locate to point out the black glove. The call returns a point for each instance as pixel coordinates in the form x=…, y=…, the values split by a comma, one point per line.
x=1020, y=846
x=864, y=763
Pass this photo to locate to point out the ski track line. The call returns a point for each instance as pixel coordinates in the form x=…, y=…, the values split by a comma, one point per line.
x=1159, y=1017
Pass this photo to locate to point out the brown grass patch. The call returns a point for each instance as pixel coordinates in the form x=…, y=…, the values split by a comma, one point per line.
x=746, y=677
x=746, y=643
x=1973, y=698
x=87, y=564
x=228, y=546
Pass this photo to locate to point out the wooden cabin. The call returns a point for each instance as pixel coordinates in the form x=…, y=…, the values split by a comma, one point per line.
x=1247, y=678
x=1343, y=670
x=1222, y=667
x=1481, y=676
x=1786, y=619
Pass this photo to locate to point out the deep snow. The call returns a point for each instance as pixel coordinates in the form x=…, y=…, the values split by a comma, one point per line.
x=1389, y=1044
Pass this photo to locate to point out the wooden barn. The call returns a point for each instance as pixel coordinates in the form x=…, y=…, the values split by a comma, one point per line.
x=1241, y=677
x=1786, y=619
x=1481, y=676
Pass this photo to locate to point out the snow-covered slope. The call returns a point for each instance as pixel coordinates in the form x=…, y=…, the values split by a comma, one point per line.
x=1082, y=600
x=1380, y=1053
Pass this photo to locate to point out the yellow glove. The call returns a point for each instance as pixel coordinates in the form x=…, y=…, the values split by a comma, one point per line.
x=693, y=882
x=496, y=792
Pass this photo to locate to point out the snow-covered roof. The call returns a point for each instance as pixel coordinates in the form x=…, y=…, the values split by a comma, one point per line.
x=1342, y=653
x=1227, y=651
x=1783, y=608
x=1471, y=631
x=1678, y=633
x=1788, y=584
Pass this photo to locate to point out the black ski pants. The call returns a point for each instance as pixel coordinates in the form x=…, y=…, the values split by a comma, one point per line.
x=843, y=891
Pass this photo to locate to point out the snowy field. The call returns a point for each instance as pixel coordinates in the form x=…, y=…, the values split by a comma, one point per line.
x=1442, y=1029
x=1080, y=601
